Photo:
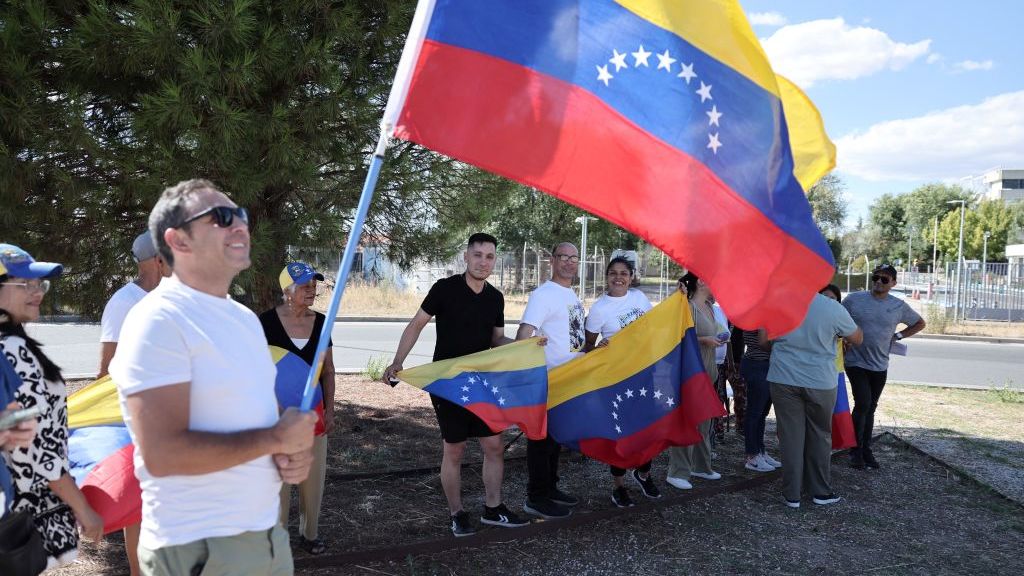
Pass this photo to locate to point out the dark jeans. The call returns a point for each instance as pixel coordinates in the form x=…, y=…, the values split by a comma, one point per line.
x=542, y=468
x=866, y=386
x=620, y=472
x=759, y=402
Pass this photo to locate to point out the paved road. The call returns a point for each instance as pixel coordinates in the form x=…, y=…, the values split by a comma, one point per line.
x=74, y=347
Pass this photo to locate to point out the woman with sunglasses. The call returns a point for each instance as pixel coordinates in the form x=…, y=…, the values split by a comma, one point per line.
x=613, y=311
x=293, y=332
x=42, y=481
x=695, y=460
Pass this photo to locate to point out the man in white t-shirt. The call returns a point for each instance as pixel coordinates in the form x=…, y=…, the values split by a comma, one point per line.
x=196, y=382
x=555, y=312
x=152, y=269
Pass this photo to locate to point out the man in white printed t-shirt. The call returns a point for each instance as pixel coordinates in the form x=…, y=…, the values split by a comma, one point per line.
x=555, y=312
x=196, y=382
x=152, y=269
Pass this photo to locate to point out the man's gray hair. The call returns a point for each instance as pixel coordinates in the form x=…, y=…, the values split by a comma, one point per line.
x=171, y=212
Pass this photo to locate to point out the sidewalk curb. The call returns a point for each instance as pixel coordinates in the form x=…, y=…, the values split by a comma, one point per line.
x=959, y=338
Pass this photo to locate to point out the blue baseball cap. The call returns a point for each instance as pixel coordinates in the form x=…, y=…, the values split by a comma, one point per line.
x=298, y=273
x=16, y=262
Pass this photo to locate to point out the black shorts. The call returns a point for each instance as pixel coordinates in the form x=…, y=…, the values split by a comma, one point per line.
x=456, y=423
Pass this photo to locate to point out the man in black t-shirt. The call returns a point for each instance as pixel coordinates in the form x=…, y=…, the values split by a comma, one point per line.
x=470, y=318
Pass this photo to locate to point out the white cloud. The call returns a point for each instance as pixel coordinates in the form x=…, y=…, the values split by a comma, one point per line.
x=971, y=65
x=766, y=19
x=833, y=50
x=933, y=58
x=939, y=145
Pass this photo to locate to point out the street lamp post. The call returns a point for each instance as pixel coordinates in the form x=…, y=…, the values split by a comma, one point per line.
x=959, y=259
x=984, y=261
x=910, y=247
x=583, y=254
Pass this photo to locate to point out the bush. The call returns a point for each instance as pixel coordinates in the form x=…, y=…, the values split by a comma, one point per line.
x=935, y=318
x=375, y=367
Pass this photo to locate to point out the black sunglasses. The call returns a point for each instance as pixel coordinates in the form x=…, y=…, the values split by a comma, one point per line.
x=223, y=216
x=880, y=278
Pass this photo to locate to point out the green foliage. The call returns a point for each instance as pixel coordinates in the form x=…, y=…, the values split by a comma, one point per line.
x=935, y=318
x=829, y=207
x=103, y=104
x=993, y=216
x=1007, y=395
x=375, y=367
x=894, y=217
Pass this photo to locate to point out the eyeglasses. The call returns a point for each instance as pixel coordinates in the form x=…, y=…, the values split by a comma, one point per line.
x=41, y=286
x=567, y=258
x=223, y=216
x=880, y=278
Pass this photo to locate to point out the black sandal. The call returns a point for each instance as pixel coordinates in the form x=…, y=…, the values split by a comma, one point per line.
x=314, y=547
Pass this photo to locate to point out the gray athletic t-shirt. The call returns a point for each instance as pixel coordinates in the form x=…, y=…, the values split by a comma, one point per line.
x=878, y=319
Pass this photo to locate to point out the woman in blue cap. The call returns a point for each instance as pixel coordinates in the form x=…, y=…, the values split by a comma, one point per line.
x=42, y=482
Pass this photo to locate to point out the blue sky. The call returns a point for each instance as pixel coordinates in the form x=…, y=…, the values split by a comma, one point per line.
x=911, y=91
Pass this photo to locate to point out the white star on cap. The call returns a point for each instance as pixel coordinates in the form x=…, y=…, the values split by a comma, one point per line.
x=641, y=57
x=603, y=75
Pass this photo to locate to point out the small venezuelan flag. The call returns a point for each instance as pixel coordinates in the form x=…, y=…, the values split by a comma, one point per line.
x=503, y=386
x=101, y=453
x=842, y=422
x=647, y=390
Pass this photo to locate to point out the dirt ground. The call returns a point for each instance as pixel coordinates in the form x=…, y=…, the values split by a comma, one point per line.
x=914, y=516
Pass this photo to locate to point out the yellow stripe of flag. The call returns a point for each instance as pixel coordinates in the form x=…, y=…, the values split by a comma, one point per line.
x=95, y=405
x=520, y=355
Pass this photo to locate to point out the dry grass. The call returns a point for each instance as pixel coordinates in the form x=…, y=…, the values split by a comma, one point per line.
x=996, y=329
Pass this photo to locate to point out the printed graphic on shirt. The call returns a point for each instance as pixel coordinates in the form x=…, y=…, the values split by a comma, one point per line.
x=626, y=318
x=576, y=336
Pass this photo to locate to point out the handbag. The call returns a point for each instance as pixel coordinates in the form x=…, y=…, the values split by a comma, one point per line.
x=21, y=546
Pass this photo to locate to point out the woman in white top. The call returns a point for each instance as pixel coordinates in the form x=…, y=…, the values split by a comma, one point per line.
x=613, y=311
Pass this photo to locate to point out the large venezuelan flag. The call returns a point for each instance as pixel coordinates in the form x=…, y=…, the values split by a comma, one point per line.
x=290, y=383
x=843, y=435
x=503, y=386
x=663, y=117
x=647, y=390
x=100, y=452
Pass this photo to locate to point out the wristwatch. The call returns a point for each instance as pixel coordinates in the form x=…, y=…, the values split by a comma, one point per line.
x=899, y=336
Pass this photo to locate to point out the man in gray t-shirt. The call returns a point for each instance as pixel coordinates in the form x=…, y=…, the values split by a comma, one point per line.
x=877, y=313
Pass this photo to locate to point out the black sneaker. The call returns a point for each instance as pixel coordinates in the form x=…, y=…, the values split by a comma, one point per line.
x=461, y=525
x=856, y=460
x=546, y=509
x=500, y=515
x=870, y=462
x=648, y=487
x=826, y=499
x=620, y=497
x=559, y=497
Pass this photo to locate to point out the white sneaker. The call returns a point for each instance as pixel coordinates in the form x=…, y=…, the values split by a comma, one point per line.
x=680, y=483
x=791, y=503
x=707, y=475
x=770, y=461
x=756, y=464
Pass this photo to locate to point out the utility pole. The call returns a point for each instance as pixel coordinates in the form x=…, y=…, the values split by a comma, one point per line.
x=959, y=259
x=984, y=262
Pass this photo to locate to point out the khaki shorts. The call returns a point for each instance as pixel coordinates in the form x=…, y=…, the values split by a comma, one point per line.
x=262, y=553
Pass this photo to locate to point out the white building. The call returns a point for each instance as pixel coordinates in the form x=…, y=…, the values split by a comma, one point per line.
x=1006, y=185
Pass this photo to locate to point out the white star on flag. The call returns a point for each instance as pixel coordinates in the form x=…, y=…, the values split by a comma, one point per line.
x=669, y=401
x=665, y=61
x=619, y=60
x=485, y=383
x=494, y=390
x=614, y=415
x=629, y=393
x=617, y=429
x=705, y=92
x=641, y=57
x=603, y=75
x=465, y=398
x=465, y=388
x=618, y=398
x=501, y=401
x=687, y=73
x=615, y=404
x=713, y=116
x=643, y=391
x=713, y=143
x=657, y=394
x=472, y=379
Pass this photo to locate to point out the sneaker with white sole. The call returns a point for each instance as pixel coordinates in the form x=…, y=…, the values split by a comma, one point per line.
x=681, y=483
x=826, y=499
x=461, y=525
x=620, y=497
x=500, y=515
x=707, y=475
x=770, y=461
x=756, y=464
x=546, y=509
x=647, y=485
x=791, y=503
